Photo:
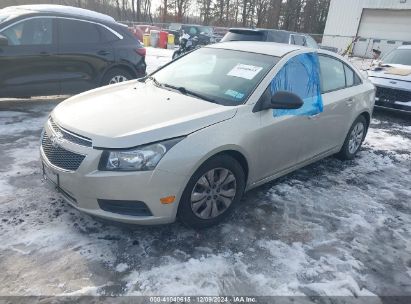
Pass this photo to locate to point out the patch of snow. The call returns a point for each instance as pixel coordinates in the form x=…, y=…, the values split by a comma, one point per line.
x=121, y=267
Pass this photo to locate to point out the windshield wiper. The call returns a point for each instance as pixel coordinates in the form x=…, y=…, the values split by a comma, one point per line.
x=153, y=79
x=184, y=91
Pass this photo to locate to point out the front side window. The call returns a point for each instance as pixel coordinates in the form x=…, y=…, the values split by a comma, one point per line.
x=332, y=74
x=301, y=76
x=78, y=32
x=225, y=77
x=36, y=31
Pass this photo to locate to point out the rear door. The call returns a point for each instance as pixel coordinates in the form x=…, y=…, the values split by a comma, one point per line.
x=327, y=130
x=83, y=54
x=28, y=65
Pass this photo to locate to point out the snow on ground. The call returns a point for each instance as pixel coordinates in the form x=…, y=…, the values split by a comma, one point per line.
x=332, y=228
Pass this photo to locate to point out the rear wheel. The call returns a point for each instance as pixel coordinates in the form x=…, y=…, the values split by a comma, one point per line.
x=354, y=139
x=116, y=76
x=212, y=192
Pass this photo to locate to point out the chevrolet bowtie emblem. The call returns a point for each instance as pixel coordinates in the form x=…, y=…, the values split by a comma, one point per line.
x=56, y=139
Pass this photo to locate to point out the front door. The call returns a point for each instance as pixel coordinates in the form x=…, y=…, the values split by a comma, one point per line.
x=28, y=63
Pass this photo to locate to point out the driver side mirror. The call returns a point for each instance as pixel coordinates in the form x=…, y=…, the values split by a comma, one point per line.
x=4, y=41
x=281, y=100
x=286, y=101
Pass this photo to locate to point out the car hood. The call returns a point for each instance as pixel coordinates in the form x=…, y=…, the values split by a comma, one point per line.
x=134, y=113
x=384, y=72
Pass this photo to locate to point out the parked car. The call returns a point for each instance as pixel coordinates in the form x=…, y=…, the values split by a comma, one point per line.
x=203, y=33
x=269, y=35
x=52, y=49
x=392, y=77
x=189, y=139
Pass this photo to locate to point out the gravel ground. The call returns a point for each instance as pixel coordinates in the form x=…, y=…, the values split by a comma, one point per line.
x=333, y=228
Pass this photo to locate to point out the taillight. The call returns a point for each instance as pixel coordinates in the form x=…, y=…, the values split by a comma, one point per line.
x=141, y=51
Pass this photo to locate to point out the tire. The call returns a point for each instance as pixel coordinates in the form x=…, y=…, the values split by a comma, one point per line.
x=354, y=139
x=214, y=206
x=120, y=75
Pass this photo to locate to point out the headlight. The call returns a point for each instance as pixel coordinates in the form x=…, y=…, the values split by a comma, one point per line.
x=143, y=158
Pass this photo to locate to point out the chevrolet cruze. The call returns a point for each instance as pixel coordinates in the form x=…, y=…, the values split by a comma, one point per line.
x=188, y=140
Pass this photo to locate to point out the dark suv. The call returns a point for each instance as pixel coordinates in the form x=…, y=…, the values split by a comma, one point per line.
x=52, y=49
x=245, y=34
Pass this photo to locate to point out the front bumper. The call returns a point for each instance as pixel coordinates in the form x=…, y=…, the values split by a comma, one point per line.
x=395, y=96
x=84, y=187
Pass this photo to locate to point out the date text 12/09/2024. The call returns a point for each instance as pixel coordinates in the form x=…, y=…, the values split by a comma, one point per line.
x=205, y=299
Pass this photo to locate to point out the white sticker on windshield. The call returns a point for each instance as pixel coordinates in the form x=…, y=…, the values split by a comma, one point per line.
x=245, y=71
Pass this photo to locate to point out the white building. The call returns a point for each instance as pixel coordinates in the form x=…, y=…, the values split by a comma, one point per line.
x=379, y=24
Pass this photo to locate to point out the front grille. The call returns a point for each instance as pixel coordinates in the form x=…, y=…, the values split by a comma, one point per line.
x=60, y=157
x=70, y=136
x=388, y=94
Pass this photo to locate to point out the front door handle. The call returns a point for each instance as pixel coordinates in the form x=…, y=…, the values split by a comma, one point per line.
x=44, y=53
x=315, y=116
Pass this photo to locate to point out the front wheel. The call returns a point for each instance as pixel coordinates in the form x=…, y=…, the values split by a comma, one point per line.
x=354, y=140
x=212, y=192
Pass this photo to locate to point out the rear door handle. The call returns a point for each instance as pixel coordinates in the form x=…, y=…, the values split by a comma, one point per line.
x=349, y=101
x=44, y=53
x=103, y=52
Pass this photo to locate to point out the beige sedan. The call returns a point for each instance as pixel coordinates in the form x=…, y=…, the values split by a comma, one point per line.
x=191, y=138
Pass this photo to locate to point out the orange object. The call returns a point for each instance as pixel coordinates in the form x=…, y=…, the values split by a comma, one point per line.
x=168, y=199
x=163, y=40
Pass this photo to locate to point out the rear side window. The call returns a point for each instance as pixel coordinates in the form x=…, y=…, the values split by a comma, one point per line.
x=357, y=79
x=332, y=74
x=349, y=76
x=36, y=31
x=78, y=32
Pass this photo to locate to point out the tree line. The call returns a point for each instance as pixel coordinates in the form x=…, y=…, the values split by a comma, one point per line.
x=307, y=16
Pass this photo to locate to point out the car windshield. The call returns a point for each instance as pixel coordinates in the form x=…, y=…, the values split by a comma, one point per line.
x=399, y=56
x=221, y=76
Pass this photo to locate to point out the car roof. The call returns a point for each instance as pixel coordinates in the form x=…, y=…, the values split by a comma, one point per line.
x=57, y=9
x=260, y=47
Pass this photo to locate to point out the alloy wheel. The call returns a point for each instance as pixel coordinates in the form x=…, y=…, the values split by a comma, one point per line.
x=118, y=79
x=213, y=193
x=356, y=137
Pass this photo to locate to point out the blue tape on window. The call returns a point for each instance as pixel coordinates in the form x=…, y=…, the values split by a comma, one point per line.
x=301, y=76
